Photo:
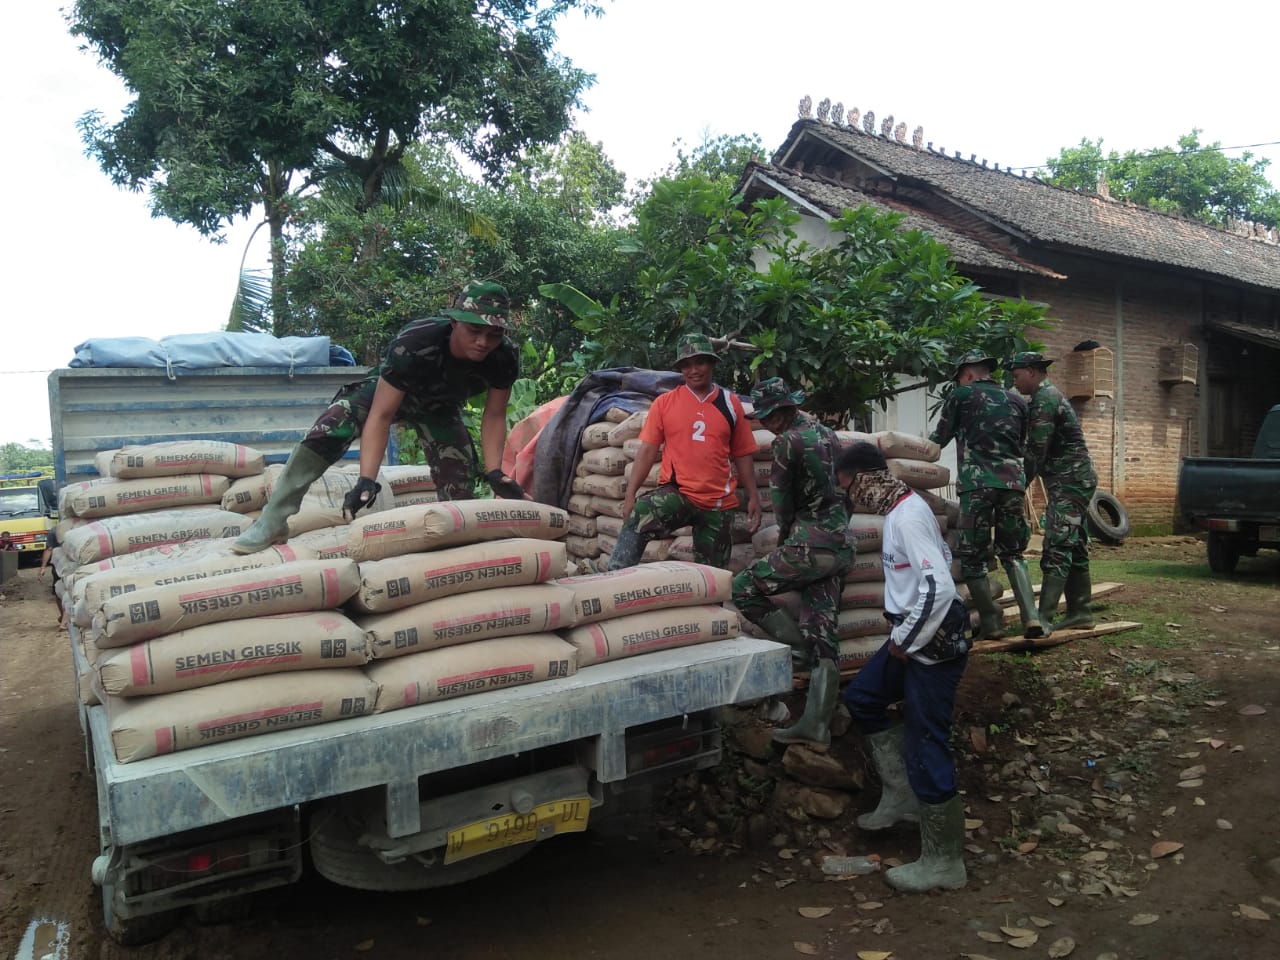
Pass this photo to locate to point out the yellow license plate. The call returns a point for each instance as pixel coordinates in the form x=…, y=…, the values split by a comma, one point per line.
x=496, y=833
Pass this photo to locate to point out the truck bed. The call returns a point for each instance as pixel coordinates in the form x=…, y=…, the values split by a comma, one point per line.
x=1229, y=488
x=194, y=788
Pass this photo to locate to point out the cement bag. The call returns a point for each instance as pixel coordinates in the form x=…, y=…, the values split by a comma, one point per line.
x=608, y=507
x=580, y=503
x=650, y=478
x=113, y=536
x=654, y=586
x=905, y=446
x=580, y=526
x=763, y=470
x=111, y=497
x=868, y=530
x=471, y=668
x=610, y=461
x=102, y=461
x=856, y=651
x=322, y=504
x=649, y=631
x=164, y=555
x=217, y=652
x=407, y=477
x=595, y=485
x=151, y=726
x=741, y=556
x=414, y=499
x=450, y=523
x=681, y=549
x=100, y=587
x=583, y=547
x=327, y=543
x=403, y=581
x=919, y=475
x=288, y=588
x=473, y=616
x=866, y=593
x=616, y=415
x=596, y=435
x=250, y=493
x=628, y=429
x=942, y=506
x=860, y=622
x=865, y=566
x=765, y=540
x=764, y=444
x=654, y=550
x=631, y=449
x=609, y=526
x=186, y=456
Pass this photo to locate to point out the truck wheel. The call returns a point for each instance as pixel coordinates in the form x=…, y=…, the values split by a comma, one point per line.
x=1108, y=519
x=134, y=931
x=338, y=856
x=1224, y=552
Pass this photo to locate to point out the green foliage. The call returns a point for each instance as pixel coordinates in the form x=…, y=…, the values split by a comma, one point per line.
x=16, y=458
x=1191, y=180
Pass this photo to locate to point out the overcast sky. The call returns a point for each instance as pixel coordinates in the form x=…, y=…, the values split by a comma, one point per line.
x=1012, y=83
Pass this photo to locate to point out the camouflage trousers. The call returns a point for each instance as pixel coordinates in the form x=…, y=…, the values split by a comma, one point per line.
x=1066, y=535
x=445, y=441
x=817, y=574
x=665, y=510
x=983, y=511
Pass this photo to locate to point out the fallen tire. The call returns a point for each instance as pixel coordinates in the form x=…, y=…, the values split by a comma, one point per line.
x=1107, y=517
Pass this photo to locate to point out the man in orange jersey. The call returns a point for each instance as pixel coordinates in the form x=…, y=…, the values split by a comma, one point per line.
x=701, y=430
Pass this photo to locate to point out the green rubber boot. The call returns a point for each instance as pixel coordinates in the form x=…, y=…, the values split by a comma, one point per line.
x=1051, y=587
x=1020, y=584
x=898, y=803
x=814, y=728
x=627, y=549
x=1079, y=591
x=304, y=467
x=782, y=627
x=941, y=863
x=991, y=626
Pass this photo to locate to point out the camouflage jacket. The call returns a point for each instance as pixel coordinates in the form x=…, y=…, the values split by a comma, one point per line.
x=418, y=362
x=807, y=501
x=1056, y=449
x=989, y=425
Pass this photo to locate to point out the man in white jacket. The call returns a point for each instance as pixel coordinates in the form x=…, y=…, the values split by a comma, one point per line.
x=920, y=665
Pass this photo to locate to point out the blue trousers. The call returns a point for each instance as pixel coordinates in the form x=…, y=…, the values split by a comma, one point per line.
x=928, y=692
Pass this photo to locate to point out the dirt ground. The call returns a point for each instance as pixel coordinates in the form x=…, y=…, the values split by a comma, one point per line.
x=1075, y=762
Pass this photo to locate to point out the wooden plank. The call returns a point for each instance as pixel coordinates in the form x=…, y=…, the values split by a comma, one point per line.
x=1059, y=637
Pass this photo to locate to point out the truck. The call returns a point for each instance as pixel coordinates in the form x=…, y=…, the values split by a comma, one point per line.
x=28, y=510
x=429, y=795
x=1235, y=499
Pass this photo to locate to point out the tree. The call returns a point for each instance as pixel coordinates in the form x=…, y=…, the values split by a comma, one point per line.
x=234, y=100
x=1190, y=180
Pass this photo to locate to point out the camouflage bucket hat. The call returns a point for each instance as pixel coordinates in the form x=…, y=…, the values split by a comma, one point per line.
x=1028, y=358
x=694, y=345
x=485, y=303
x=773, y=394
x=975, y=356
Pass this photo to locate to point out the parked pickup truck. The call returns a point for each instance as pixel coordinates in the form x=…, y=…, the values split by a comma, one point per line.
x=1237, y=500
x=424, y=796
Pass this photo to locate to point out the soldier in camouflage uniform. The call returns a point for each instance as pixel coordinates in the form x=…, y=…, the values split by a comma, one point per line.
x=989, y=424
x=1057, y=453
x=428, y=372
x=815, y=549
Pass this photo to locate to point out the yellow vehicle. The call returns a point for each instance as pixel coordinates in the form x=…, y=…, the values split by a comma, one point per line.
x=28, y=510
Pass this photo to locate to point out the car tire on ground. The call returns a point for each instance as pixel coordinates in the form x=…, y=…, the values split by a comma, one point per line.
x=1108, y=520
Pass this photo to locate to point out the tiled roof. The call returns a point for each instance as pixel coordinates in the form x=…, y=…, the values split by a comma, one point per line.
x=1051, y=215
x=833, y=198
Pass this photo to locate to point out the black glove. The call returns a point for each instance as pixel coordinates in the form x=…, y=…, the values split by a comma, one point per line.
x=361, y=495
x=504, y=486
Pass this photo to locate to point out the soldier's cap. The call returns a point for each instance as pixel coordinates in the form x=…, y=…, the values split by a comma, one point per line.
x=486, y=303
x=1028, y=358
x=859, y=457
x=975, y=356
x=774, y=394
x=694, y=345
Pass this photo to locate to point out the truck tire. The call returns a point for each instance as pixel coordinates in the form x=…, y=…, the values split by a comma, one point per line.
x=338, y=856
x=1108, y=519
x=1224, y=552
x=134, y=931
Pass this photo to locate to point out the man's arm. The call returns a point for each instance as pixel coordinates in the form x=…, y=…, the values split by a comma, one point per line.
x=1039, y=435
x=493, y=428
x=646, y=457
x=377, y=428
x=934, y=587
x=747, y=480
x=946, y=428
x=784, y=513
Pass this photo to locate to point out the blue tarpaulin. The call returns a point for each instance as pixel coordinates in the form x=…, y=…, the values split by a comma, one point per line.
x=196, y=351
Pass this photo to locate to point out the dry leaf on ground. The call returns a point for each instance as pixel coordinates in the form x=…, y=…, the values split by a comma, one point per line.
x=1041, y=921
x=1027, y=846
x=1164, y=848
x=1062, y=947
x=1055, y=901
x=1223, y=824
x=1252, y=710
x=971, y=824
x=1253, y=913
x=1142, y=919
x=990, y=937
x=975, y=956
x=815, y=913
x=786, y=853
x=870, y=905
x=874, y=954
x=364, y=946
x=1017, y=932
x=1199, y=770
x=1023, y=942
x=978, y=739
x=808, y=949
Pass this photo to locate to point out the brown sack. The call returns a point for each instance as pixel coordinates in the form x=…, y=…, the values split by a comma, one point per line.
x=596, y=435
x=586, y=547
x=860, y=622
x=856, y=651
x=186, y=456
x=865, y=566
x=580, y=503
x=609, y=526
x=652, y=586
x=472, y=616
x=250, y=493
x=151, y=726
x=862, y=594
x=288, y=588
x=868, y=531
x=764, y=444
x=609, y=461
x=453, y=522
x=649, y=631
x=403, y=581
x=471, y=668
x=580, y=526
x=650, y=478
x=593, y=484
x=906, y=446
x=322, y=505
x=608, y=507
x=406, y=477
x=113, y=536
x=654, y=550
x=111, y=497
x=414, y=498
x=628, y=429
x=918, y=474
x=217, y=652
x=327, y=543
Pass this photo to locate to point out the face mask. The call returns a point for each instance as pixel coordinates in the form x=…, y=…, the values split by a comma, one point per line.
x=876, y=492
